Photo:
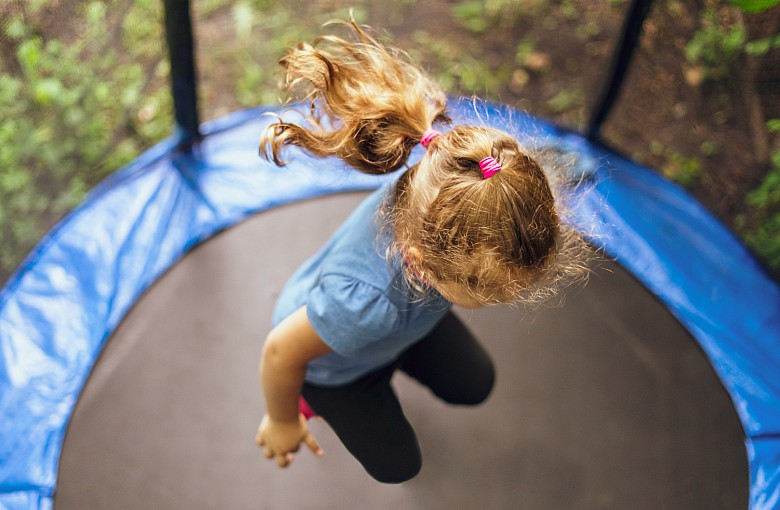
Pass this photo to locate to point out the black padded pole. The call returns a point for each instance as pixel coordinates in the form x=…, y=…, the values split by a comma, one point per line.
x=621, y=58
x=181, y=50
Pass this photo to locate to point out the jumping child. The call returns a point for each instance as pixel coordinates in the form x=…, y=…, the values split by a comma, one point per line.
x=475, y=222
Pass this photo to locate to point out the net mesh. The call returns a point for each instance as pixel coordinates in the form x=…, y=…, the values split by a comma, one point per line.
x=82, y=91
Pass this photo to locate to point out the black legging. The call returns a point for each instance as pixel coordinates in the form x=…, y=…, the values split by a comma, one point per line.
x=367, y=416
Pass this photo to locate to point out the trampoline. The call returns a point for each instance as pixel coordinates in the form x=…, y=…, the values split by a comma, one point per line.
x=130, y=340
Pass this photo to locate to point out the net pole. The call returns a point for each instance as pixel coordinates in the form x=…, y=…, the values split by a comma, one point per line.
x=181, y=52
x=621, y=58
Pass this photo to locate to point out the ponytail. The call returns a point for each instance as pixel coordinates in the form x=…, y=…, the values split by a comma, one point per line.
x=368, y=105
x=478, y=209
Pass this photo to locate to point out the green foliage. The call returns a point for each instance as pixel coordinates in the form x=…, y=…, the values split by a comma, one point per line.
x=588, y=30
x=716, y=45
x=84, y=98
x=765, y=241
x=759, y=47
x=471, y=15
x=566, y=99
x=569, y=9
x=709, y=148
x=683, y=170
x=263, y=30
x=763, y=234
x=480, y=15
x=457, y=69
x=764, y=237
x=721, y=39
x=755, y=5
x=525, y=48
x=74, y=110
x=713, y=50
x=767, y=195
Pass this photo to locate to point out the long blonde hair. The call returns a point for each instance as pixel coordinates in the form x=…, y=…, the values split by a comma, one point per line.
x=498, y=239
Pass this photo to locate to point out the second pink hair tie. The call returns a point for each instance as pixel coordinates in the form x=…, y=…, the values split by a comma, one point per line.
x=428, y=136
x=489, y=167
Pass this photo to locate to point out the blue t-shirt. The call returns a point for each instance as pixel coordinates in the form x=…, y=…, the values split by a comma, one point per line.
x=357, y=301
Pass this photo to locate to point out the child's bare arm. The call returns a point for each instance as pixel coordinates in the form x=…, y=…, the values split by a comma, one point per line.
x=288, y=348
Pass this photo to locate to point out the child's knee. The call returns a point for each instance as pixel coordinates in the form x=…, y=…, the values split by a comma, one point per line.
x=477, y=391
x=397, y=472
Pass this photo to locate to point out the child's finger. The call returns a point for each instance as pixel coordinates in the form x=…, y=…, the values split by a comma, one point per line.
x=313, y=446
x=283, y=460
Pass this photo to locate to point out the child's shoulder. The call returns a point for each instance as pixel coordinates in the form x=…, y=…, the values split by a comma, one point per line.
x=358, y=249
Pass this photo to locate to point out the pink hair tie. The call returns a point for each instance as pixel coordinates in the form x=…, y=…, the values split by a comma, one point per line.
x=428, y=136
x=489, y=167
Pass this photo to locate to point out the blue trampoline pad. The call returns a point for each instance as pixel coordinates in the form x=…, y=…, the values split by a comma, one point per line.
x=77, y=286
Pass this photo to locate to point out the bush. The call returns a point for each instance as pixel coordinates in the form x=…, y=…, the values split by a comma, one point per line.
x=763, y=234
x=74, y=110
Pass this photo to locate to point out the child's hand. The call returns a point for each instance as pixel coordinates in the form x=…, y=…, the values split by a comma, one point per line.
x=281, y=439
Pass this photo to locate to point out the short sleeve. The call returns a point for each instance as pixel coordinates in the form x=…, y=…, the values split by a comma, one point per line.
x=349, y=314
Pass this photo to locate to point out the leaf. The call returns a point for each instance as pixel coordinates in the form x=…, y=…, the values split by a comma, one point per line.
x=96, y=13
x=14, y=180
x=759, y=47
x=47, y=91
x=10, y=90
x=755, y=5
x=243, y=19
x=29, y=53
x=16, y=28
x=471, y=14
x=734, y=39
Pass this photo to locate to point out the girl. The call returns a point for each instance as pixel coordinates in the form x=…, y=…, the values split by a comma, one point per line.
x=473, y=223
